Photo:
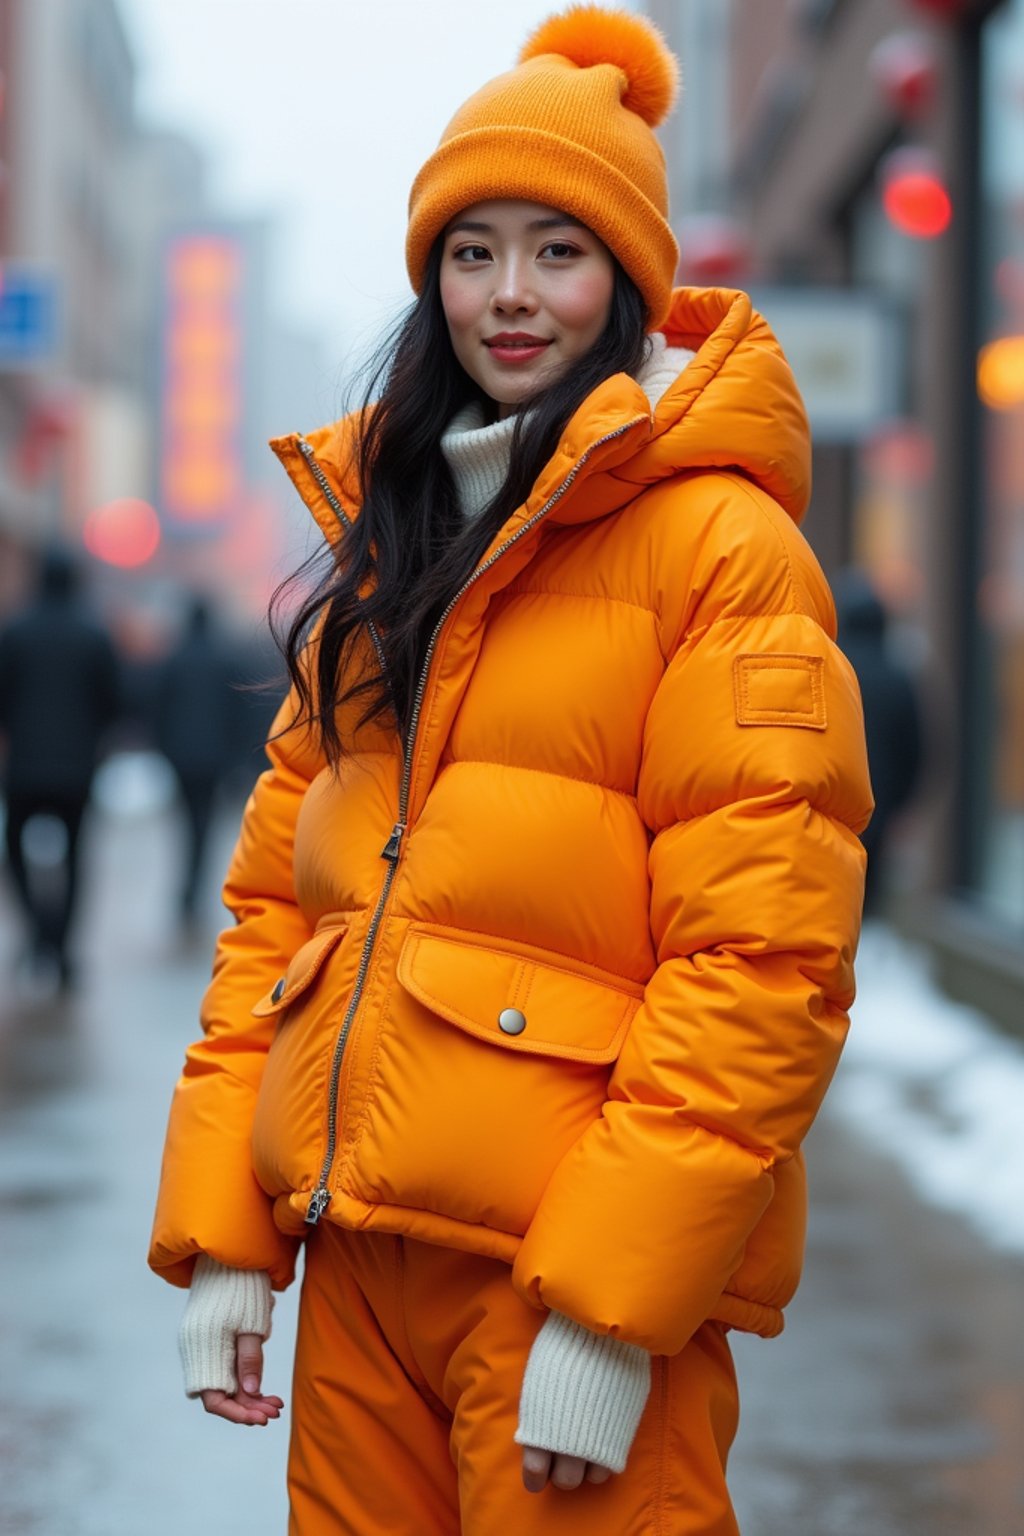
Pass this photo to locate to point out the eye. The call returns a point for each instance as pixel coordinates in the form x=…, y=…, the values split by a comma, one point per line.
x=560, y=250
x=471, y=254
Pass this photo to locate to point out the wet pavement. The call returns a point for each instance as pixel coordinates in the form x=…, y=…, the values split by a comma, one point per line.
x=893, y=1405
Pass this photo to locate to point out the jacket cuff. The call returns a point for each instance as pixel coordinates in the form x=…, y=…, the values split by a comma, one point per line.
x=222, y=1303
x=583, y=1393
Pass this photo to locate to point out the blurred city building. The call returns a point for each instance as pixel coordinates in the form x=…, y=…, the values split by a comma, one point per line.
x=143, y=360
x=871, y=197
x=66, y=128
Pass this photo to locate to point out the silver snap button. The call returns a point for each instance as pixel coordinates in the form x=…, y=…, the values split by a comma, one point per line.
x=511, y=1021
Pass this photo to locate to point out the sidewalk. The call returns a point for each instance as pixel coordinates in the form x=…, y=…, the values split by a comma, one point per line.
x=95, y=1432
x=931, y=1083
x=893, y=1405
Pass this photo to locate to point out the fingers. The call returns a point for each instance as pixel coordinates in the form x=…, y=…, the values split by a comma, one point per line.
x=248, y=1405
x=241, y=1408
x=568, y=1472
x=249, y=1362
x=536, y=1469
x=564, y=1472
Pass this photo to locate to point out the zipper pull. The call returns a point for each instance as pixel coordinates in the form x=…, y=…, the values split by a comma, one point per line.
x=393, y=847
x=321, y=1199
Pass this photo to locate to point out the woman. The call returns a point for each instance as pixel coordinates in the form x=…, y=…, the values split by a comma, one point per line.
x=551, y=891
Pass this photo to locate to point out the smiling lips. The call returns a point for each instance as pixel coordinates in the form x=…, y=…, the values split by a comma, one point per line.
x=515, y=346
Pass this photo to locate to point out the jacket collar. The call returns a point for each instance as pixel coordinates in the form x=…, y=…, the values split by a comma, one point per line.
x=734, y=406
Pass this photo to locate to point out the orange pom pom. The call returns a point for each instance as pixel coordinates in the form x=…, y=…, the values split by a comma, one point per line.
x=590, y=34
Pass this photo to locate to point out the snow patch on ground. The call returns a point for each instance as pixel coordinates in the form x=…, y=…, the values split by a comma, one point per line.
x=934, y=1085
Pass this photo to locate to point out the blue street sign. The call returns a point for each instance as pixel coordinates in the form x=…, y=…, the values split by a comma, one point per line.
x=28, y=315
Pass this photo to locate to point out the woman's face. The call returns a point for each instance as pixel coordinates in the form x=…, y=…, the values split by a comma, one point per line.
x=526, y=291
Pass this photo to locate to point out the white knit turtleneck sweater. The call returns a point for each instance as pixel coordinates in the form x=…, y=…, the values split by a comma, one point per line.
x=583, y=1393
x=477, y=456
x=478, y=452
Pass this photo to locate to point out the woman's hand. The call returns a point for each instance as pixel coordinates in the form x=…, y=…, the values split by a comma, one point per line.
x=563, y=1471
x=247, y=1405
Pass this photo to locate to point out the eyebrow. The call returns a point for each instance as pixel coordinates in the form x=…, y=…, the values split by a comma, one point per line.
x=554, y=221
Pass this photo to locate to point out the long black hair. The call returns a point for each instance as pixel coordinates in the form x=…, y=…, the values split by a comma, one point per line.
x=410, y=549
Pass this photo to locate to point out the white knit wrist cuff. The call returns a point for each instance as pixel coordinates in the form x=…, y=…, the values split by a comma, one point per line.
x=221, y=1304
x=583, y=1393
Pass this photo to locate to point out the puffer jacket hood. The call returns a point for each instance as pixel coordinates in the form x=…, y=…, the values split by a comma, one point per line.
x=735, y=406
x=560, y=977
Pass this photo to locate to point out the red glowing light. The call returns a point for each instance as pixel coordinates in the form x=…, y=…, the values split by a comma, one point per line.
x=904, y=69
x=713, y=249
x=124, y=533
x=901, y=454
x=914, y=195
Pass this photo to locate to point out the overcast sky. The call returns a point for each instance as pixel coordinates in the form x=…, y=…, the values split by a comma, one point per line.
x=321, y=112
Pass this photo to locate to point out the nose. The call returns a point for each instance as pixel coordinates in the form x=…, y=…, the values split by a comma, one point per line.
x=513, y=293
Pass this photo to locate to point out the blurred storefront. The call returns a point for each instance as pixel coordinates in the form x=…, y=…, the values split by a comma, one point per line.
x=997, y=867
x=877, y=159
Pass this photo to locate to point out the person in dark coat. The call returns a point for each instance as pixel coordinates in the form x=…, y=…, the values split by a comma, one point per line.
x=58, y=697
x=892, y=717
x=196, y=724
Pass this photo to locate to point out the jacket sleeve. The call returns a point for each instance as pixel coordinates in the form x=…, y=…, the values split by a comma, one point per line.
x=209, y=1200
x=753, y=784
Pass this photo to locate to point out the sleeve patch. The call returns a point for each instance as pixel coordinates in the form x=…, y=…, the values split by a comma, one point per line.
x=780, y=690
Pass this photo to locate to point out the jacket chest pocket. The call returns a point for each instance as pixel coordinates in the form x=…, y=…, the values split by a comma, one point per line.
x=517, y=1001
x=491, y=1063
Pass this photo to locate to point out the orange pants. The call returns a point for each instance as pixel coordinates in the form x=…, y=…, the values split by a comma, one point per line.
x=408, y=1368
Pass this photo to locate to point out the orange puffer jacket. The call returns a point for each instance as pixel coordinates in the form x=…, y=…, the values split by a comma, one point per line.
x=564, y=980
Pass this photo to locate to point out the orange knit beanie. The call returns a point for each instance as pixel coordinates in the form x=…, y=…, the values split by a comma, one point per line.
x=570, y=126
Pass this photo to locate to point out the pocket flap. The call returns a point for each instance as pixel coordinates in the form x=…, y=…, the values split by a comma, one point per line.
x=546, y=1009
x=302, y=969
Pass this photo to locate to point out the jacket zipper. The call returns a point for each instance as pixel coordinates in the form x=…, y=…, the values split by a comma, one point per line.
x=343, y=518
x=391, y=852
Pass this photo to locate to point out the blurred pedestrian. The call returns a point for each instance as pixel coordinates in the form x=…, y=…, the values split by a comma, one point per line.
x=261, y=683
x=551, y=888
x=58, y=697
x=892, y=719
x=196, y=715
